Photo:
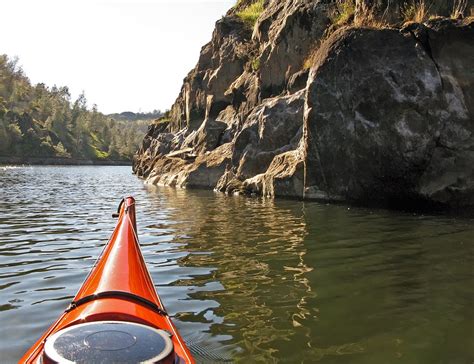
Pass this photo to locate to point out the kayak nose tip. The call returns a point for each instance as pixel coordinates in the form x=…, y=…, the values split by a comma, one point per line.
x=126, y=202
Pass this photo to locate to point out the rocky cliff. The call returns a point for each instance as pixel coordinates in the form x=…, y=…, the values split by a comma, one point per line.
x=311, y=102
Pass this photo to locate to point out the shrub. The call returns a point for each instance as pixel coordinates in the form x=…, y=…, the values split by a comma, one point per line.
x=15, y=131
x=99, y=154
x=162, y=121
x=61, y=151
x=250, y=14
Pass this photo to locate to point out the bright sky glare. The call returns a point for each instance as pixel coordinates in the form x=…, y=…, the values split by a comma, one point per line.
x=126, y=55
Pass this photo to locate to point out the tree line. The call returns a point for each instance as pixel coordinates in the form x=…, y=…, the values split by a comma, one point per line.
x=41, y=121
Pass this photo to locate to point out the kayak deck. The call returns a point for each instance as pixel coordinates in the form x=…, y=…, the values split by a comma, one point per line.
x=118, y=288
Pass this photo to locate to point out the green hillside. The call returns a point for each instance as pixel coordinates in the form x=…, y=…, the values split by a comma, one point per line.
x=42, y=121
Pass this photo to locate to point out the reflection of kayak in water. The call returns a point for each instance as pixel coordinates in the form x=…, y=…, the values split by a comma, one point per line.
x=117, y=315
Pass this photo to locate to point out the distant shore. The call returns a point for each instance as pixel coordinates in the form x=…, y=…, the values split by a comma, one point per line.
x=56, y=161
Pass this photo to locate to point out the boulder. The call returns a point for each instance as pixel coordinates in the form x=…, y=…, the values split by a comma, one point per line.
x=378, y=114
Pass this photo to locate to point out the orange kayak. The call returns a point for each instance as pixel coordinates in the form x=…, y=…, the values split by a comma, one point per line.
x=117, y=316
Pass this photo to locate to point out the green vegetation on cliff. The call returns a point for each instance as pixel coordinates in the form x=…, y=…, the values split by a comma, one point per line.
x=251, y=13
x=39, y=121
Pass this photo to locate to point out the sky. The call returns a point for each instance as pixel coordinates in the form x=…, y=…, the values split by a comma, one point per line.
x=125, y=55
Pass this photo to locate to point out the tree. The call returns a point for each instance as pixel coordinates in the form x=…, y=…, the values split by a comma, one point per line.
x=61, y=151
x=4, y=138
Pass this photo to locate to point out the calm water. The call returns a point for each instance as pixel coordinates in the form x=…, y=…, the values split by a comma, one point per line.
x=246, y=280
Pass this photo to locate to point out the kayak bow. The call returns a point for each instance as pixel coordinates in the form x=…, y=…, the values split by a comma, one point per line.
x=117, y=315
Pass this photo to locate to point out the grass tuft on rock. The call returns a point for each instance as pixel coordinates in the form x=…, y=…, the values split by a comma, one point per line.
x=343, y=12
x=417, y=12
x=255, y=64
x=459, y=9
x=250, y=14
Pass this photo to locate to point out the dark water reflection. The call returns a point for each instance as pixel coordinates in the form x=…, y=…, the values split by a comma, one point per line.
x=246, y=279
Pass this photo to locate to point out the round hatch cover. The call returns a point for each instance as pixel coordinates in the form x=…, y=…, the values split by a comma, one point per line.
x=109, y=342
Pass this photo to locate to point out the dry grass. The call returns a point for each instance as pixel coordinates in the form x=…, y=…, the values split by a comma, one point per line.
x=344, y=13
x=366, y=17
x=311, y=57
x=469, y=19
x=416, y=12
x=309, y=61
x=459, y=9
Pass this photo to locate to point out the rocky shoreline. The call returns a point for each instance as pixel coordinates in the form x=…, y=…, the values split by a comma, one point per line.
x=366, y=114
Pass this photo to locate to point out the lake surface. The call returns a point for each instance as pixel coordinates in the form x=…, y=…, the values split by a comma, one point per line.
x=246, y=279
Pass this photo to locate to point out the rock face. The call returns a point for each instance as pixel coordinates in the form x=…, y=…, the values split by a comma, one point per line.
x=384, y=138
x=364, y=114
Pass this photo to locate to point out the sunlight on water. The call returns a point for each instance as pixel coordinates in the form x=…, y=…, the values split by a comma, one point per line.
x=246, y=280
